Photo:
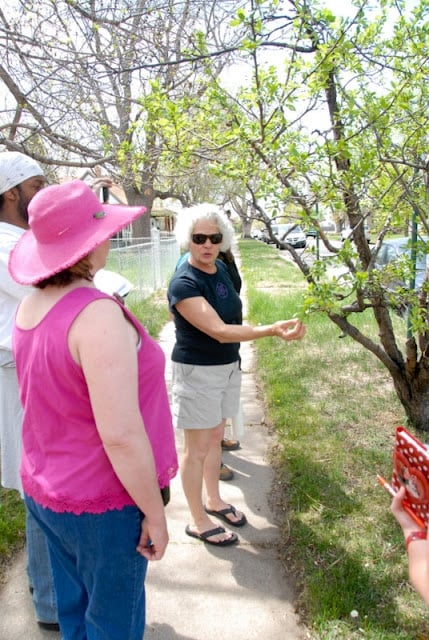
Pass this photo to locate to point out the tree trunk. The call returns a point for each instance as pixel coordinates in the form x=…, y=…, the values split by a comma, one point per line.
x=414, y=397
x=412, y=385
x=246, y=226
x=141, y=226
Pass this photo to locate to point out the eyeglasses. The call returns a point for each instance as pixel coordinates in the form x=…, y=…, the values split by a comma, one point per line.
x=200, y=238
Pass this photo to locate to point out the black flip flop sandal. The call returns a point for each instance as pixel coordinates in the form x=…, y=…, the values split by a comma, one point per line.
x=223, y=514
x=204, y=537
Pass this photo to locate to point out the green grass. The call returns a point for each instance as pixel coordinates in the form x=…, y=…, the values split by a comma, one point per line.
x=152, y=312
x=12, y=525
x=333, y=409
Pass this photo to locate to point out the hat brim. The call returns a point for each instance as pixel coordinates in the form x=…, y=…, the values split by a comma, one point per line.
x=31, y=261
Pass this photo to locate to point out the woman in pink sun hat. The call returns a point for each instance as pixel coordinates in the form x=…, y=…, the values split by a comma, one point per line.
x=98, y=443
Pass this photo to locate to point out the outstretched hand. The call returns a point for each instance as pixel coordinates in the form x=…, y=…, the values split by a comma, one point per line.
x=289, y=329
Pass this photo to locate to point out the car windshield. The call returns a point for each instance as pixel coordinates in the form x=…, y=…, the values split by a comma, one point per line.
x=281, y=229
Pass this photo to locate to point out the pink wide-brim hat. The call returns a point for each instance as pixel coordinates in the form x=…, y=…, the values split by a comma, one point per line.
x=67, y=222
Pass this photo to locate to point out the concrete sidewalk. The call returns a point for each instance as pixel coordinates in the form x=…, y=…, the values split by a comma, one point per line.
x=200, y=592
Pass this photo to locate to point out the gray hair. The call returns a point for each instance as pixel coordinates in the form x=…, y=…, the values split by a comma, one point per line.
x=187, y=219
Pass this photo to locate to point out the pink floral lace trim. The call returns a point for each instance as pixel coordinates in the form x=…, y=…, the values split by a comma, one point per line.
x=101, y=504
x=64, y=504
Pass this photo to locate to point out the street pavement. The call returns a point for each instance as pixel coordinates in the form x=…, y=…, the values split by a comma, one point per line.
x=197, y=591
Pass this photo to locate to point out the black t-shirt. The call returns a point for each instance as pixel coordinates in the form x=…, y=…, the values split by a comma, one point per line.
x=192, y=345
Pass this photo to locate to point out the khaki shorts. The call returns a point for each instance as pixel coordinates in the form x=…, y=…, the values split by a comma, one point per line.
x=202, y=396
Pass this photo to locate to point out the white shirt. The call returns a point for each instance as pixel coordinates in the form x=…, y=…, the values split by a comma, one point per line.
x=11, y=293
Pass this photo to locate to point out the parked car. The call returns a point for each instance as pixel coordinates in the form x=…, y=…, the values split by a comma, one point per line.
x=264, y=236
x=288, y=233
x=328, y=226
x=347, y=232
x=311, y=233
x=391, y=252
x=292, y=234
x=256, y=234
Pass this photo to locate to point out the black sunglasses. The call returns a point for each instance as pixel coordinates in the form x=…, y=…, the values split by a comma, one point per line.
x=200, y=238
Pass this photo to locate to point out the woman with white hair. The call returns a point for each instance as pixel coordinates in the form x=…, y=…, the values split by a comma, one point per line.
x=207, y=313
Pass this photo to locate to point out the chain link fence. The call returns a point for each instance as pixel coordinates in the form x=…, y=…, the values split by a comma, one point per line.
x=148, y=263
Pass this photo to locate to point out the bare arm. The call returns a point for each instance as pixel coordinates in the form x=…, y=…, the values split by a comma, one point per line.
x=104, y=344
x=198, y=312
x=418, y=550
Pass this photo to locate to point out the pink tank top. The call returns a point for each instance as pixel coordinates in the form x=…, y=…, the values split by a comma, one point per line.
x=64, y=466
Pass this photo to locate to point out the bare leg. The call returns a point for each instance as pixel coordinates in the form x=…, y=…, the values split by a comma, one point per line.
x=196, y=448
x=211, y=473
x=211, y=467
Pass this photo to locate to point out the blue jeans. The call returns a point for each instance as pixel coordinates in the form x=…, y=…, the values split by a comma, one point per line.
x=98, y=574
x=39, y=571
